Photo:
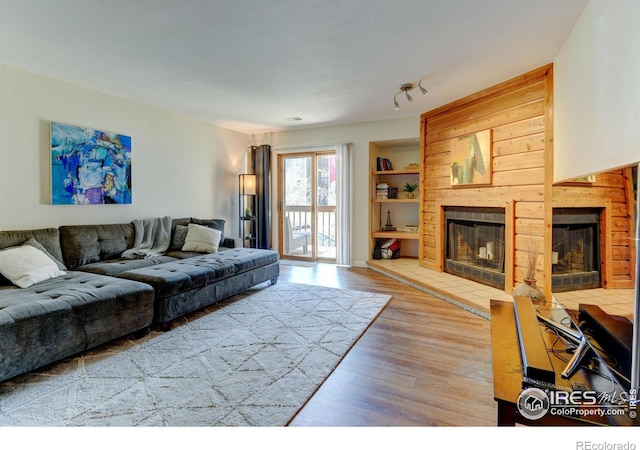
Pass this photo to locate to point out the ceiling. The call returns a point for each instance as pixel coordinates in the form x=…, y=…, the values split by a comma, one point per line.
x=253, y=65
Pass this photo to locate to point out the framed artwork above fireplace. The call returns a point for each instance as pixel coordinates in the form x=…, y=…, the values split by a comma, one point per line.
x=471, y=159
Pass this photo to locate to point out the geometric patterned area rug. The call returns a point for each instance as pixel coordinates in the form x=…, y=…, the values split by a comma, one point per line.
x=251, y=360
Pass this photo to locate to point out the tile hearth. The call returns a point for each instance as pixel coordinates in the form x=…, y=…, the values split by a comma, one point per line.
x=476, y=297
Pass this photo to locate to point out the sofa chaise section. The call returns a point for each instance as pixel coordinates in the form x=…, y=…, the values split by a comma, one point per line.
x=65, y=315
x=190, y=284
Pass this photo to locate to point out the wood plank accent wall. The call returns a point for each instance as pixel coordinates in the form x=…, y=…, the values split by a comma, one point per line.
x=520, y=114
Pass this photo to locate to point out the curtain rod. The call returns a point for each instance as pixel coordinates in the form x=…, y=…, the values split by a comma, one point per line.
x=295, y=147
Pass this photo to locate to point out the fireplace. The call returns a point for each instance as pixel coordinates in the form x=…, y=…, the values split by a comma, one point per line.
x=576, y=249
x=474, y=244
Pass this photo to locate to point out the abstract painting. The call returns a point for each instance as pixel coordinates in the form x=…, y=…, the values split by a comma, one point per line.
x=89, y=167
x=471, y=159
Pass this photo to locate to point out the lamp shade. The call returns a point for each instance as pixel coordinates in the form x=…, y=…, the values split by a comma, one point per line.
x=247, y=184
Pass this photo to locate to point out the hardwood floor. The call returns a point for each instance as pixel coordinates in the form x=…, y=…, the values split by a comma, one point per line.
x=422, y=362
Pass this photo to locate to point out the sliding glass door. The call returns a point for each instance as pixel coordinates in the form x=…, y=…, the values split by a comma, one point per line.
x=307, y=206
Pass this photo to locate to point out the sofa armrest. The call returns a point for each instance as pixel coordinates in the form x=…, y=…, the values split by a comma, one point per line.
x=234, y=242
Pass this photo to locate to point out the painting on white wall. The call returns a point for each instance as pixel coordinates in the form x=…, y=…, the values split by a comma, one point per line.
x=89, y=167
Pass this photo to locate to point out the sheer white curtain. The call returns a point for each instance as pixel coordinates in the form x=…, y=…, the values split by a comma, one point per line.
x=343, y=204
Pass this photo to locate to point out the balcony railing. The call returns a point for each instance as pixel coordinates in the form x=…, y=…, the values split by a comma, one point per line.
x=301, y=220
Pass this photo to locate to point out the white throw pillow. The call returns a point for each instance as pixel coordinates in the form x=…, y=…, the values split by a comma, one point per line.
x=26, y=265
x=201, y=239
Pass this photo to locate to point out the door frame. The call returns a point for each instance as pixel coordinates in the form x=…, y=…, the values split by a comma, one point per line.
x=314, y=203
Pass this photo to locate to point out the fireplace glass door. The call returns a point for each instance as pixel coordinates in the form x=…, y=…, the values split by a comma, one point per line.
x=475, y=244
x=575, y=253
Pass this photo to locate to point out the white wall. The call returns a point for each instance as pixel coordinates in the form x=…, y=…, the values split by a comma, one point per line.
x=181, y=167
x=359, y=135
x=597, y=91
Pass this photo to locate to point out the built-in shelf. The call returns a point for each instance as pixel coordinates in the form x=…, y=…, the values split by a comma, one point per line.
x=395, y=235
x=397, y=172
x=396, y=200
x=400, y=210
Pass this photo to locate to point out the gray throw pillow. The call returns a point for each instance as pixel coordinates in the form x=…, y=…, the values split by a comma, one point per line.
x=179, y=236
x=33, y=243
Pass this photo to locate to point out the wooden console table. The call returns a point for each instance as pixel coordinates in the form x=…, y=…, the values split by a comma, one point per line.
x=508, y=375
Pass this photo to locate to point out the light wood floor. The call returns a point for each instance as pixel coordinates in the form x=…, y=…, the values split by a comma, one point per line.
x=422, y=362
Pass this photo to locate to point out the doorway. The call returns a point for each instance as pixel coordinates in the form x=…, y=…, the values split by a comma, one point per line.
x=307, y=206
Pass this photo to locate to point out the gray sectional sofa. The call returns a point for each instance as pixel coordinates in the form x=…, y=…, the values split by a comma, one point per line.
x=102, y=297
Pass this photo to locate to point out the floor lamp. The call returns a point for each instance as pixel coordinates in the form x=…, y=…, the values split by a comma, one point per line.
x=247, y=187
x=247, y=193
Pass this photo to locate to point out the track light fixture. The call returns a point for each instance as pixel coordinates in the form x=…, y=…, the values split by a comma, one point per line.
x=406, y=88
x=409, y=98
x=423, y=90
